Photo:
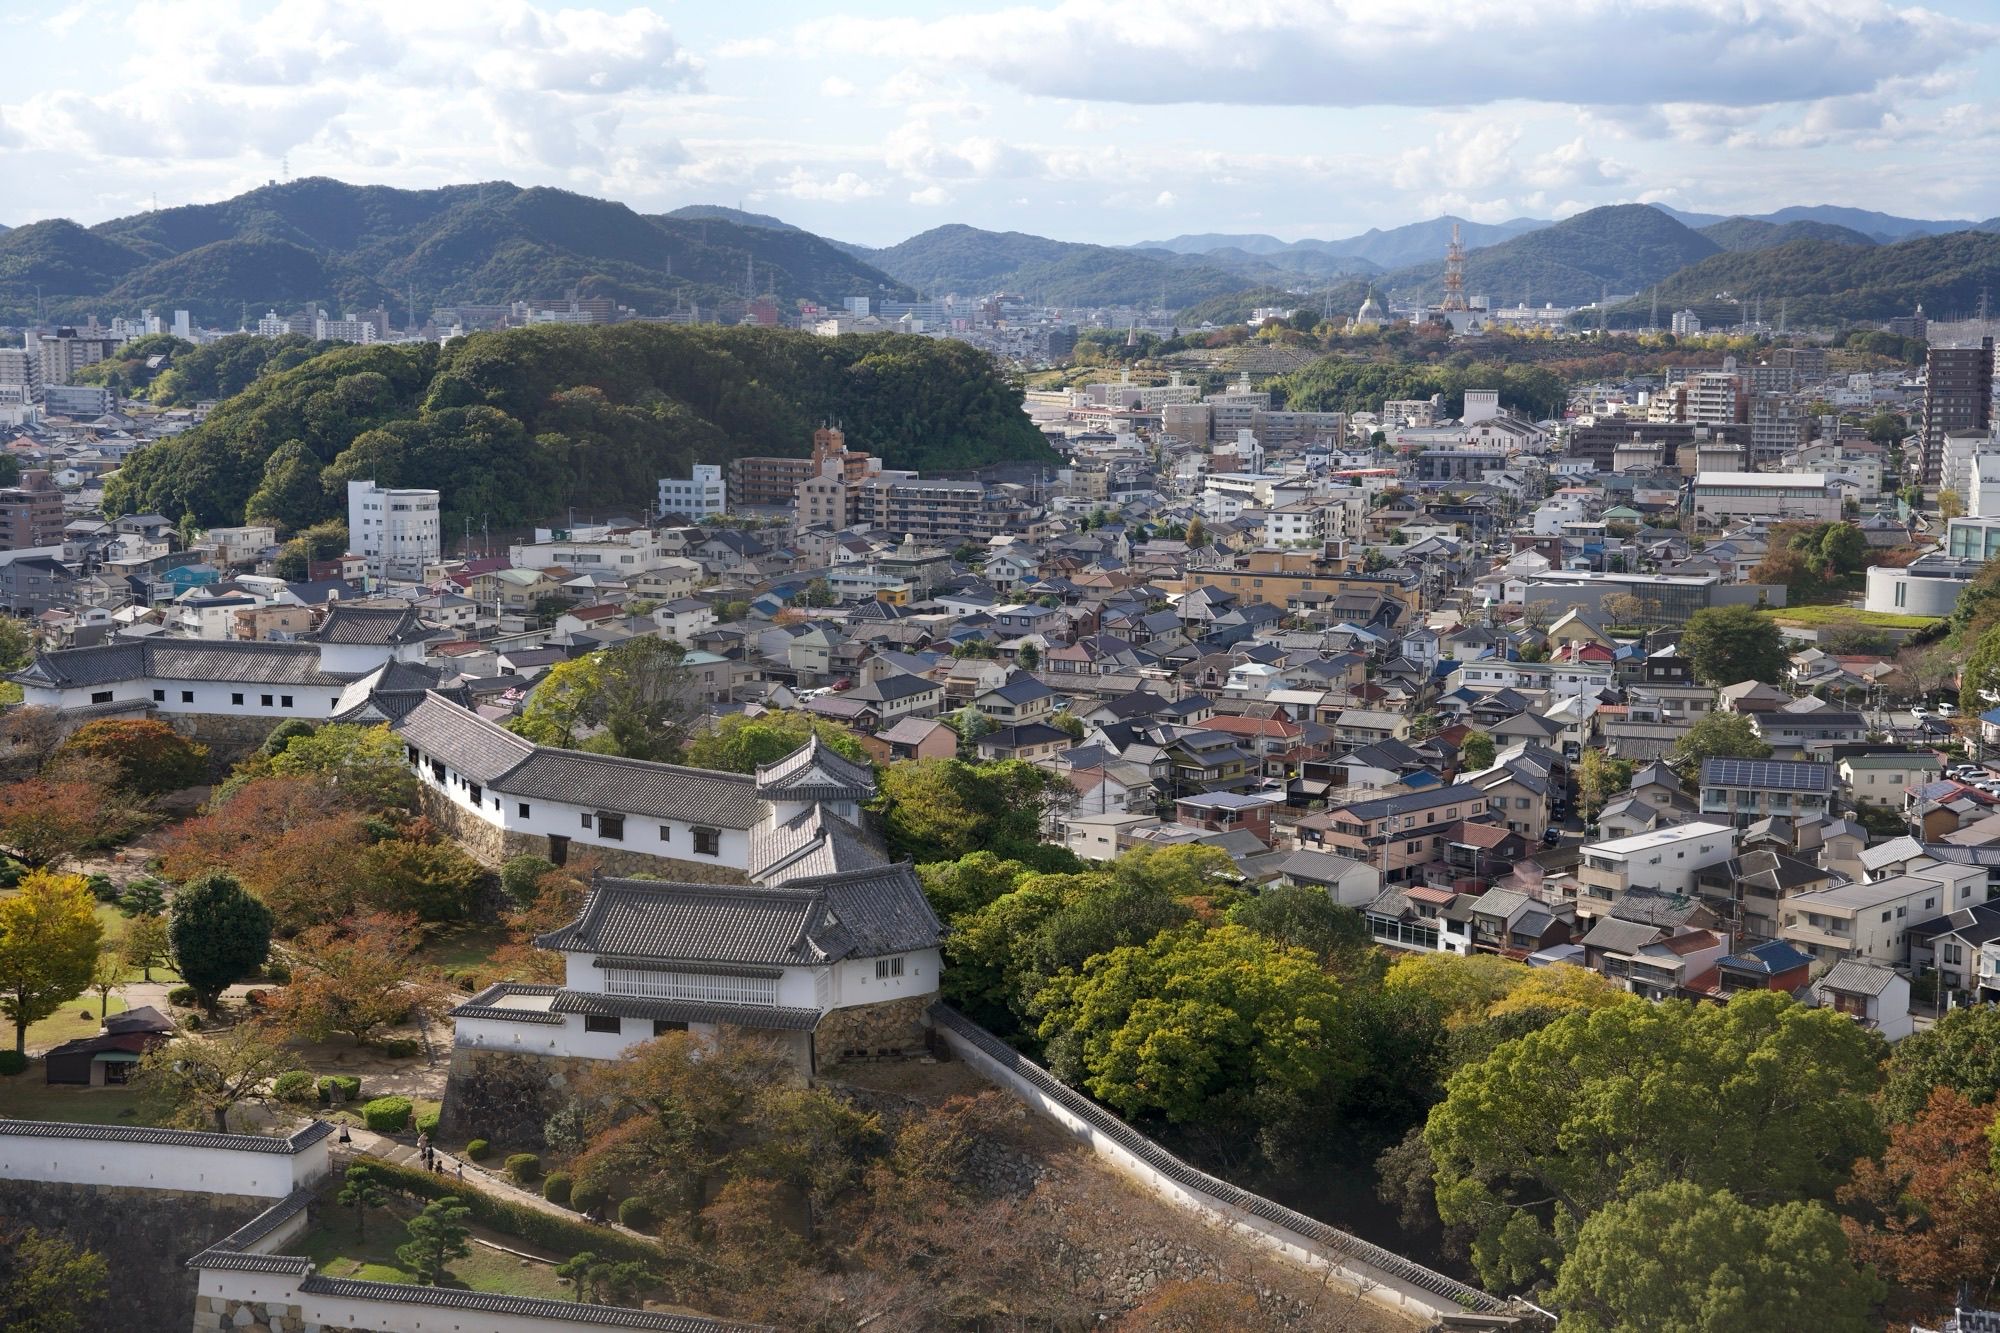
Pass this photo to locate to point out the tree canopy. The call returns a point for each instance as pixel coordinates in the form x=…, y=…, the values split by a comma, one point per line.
x=220, y=934
x=49, y=941
x=740, y=743
x=632, y=699
x=1730, y=644
x=1716, y=735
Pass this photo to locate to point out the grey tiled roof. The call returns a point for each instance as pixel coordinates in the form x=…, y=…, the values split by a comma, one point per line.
x=296, y=1143
x=485, y=1005
x=815, y=772
x=865, y=913
x=634, y=786
x=1620, y=936
x=685, y=1011
x=813, y=842
x=559, y=1313
x=162, y=658
x=383, y=625
x=481, y=750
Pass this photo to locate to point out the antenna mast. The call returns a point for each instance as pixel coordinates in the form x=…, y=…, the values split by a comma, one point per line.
x=1454, y=273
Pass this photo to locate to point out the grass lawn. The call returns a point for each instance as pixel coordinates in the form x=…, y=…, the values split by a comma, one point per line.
x=24, y=1096
x=1818, y=617
x=335, y=1250
x=64, y=1025
x=461, y=948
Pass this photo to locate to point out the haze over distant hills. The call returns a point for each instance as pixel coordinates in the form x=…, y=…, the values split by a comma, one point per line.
x=347, y=247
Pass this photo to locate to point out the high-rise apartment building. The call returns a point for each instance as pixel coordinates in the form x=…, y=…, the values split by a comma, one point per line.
x=1958, y=399
x=21, y=369
x=31, y=514
x=68, y=352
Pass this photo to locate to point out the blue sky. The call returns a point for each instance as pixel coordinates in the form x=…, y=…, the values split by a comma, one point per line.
x=1110, y=122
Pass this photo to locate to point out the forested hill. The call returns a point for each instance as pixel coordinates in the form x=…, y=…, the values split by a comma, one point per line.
x=958, y=258
x=1622, y=247
x=348, y=247
x=1826, y=282
x=520, y=425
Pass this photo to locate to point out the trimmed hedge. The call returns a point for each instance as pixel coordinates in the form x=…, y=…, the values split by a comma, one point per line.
x=636, y=1214
x=427, y=1122
x=523, y=1167
x=401, y=1048
x=477, y=1149
x=181, y=996
x=339, y=1088
x=559, y=1234
x=556, y=1188
x=296, y=1086
x=12, y=1062
x=386, y=1115
x=589, y=1196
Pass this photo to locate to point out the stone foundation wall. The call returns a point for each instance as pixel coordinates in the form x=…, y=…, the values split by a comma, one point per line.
x=893, y=1027
x=504, y=1097
x=145, y=1235
x=495, y=847
x=229, y=738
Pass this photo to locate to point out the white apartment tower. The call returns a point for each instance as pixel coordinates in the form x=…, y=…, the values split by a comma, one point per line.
x=396, y=530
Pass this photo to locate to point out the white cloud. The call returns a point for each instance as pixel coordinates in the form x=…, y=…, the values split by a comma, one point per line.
x=1165, y=199
x=1426, y=52
x=931, y=196
x=835, y=86
x=846, y=188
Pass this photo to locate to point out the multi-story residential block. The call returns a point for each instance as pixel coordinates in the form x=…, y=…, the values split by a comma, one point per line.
x=1398, y=835
x=1744, y=791
x=1871, y=920
x=1807, y=734
x=397, y=530
x=31, y=514
x=1664, y=859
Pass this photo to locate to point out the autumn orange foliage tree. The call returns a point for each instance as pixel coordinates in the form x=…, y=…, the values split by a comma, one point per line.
x=355, y=978
x=1927, y=1215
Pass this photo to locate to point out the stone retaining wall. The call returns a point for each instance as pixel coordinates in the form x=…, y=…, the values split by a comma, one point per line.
x=504, y=1097
x=893, y=1027
x=146, y=1235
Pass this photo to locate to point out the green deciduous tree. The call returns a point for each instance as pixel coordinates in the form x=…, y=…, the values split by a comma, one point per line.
x=48, y=1285
x=49, y=938
x=942, y=809
x=1762, y=1095
x=196, y=1081
x=1717, y=735
x=1961, y=1051
x=1475, y=753
x=290, y=494
x=1729, y=644
x=1599, y=778
x=1300, y=916
x=635, y=696
x=365, y=766
x=220, y=934
x=146, y=944
x=740, y=743
x=1218, y=1026
x=1682, y=1258
x=437, y=1236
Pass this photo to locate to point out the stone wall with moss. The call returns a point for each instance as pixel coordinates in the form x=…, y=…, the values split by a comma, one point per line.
x=892, y=1028
x=504, y=1096
x=147, y=1236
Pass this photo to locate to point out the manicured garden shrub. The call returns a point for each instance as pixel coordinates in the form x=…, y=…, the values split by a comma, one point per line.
x=400, y=1048
x=477, y=1150
x=556, y=1188
x=523, y=1167
x=183, y=996
x=588, y=1196
x=386, y=1115
x=636, y=1214
x=339, y=1088
x=427, y=1123
x=277, y=973
x=297, y=1086
x=12, y=1062
x=548, y=1230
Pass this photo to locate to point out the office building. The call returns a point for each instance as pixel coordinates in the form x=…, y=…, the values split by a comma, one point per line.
x=343, y=330
x=1958, y=399
x=1723, y=497
x=703, y=494
x=396, y=530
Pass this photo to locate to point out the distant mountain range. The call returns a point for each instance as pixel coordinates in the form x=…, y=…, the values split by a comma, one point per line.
x=349, y=247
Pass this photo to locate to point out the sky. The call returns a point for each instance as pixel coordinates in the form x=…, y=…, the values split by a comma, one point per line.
x=1111, y=122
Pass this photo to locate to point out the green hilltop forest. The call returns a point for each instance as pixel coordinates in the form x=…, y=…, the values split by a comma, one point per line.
x=1343, y=384
x=517, y=425
x=1829, y=283
x=349, y=247
x=1622, y=247
x=958, y=258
